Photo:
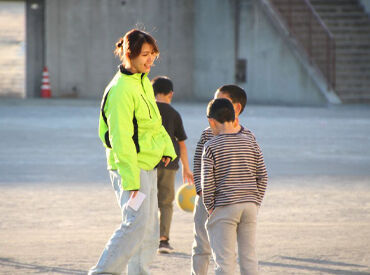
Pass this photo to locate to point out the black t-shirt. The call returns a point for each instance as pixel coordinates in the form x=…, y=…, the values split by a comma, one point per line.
x=172, y=121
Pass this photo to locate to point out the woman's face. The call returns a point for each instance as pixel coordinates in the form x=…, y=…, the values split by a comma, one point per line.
x=144, y=61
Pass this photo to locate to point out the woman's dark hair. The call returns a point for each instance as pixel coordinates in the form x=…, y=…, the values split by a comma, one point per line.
x=221, y=109
x=162, y=85
x=237, y=94
x=132, y=43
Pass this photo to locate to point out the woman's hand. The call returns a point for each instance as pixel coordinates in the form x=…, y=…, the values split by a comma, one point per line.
x=133, y=194
x=166, y=161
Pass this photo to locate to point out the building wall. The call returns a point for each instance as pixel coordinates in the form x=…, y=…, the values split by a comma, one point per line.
x=274, y=73
x=213, y=46
x=80, y=39
x=197, y=40
x=12, y=49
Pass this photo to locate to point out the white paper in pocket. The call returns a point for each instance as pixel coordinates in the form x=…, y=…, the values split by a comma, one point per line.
x=136, y=202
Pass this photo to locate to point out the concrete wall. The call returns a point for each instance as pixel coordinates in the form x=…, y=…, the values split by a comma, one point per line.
x=35, y=46
x=274, y=73
x=198, y=43
x=213, y=46
x=12, y=49
x=80, y=38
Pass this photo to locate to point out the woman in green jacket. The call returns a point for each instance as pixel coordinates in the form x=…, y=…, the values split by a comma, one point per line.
x=130, y=127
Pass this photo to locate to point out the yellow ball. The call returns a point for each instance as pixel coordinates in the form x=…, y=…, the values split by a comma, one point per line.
x=185, y=197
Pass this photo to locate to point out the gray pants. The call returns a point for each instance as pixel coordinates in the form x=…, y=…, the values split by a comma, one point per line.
x=135, y=242
x=201, y=251
x=228, y=225
x=166, y=196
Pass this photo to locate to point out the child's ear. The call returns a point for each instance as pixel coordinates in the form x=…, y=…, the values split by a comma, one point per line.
x=210, y=121
x=171, y=94
x=237, y=108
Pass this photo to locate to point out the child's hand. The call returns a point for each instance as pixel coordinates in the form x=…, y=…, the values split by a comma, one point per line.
x=187, y=176
x=210, y=212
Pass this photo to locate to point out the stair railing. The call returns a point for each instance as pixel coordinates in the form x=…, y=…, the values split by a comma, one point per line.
x=310, y=31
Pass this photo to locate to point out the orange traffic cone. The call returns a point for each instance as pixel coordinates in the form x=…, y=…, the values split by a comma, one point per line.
x=45, y=86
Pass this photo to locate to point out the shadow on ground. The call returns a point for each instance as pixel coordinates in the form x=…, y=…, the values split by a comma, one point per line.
x=321, y=268
x=39, y=268
x=48, y=269
x=177, y=255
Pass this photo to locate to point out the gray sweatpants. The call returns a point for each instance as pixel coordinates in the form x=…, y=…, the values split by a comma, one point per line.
x=201, y=251
x=134, y=243
x=230, y=225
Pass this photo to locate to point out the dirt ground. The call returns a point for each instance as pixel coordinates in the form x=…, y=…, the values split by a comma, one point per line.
x=58, y=210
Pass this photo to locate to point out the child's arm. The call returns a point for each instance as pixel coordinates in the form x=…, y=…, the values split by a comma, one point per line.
x=197, y=162
x=261, y=176
x=187, y=175
x=207, y=180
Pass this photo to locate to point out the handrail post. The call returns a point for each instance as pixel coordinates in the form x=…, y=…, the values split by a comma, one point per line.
x=290, y=26
x=310, y=36
x=333, y=63
x=328, y=60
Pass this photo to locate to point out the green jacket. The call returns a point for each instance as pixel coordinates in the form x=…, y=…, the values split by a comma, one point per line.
x=130, y=127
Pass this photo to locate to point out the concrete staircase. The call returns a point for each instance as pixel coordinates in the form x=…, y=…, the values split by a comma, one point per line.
x=350, y=25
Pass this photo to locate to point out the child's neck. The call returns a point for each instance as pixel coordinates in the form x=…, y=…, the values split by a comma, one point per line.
x=163, y=98
x=236, y=124
x=228, y=128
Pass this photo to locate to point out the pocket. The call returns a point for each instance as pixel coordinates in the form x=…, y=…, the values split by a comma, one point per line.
x=128, y=215
x=212, y=215
x=210, y=219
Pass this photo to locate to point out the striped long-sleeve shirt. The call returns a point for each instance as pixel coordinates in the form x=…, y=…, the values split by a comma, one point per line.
x=232, y=171
x=206, y=136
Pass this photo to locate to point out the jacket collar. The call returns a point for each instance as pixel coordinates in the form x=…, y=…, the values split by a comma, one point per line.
x=123, y=70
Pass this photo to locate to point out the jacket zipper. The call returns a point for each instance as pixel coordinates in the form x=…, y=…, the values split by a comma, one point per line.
x=147, y=105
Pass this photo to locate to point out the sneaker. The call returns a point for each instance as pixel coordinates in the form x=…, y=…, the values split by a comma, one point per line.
x=164, y=247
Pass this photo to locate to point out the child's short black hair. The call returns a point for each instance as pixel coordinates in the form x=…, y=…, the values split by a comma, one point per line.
x=236, y=93
x=221, y=109
x=162, y=85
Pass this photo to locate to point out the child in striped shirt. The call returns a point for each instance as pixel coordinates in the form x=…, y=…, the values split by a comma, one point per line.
x=233, y=181
x=201, y=250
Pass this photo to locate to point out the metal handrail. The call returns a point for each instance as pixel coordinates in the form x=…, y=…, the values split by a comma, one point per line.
x=306, y=32
x=318, y=18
